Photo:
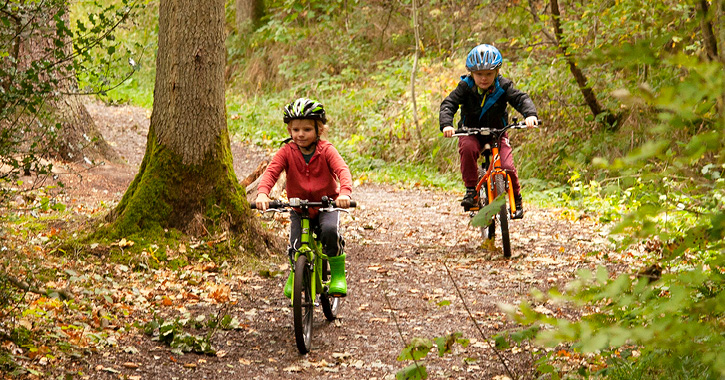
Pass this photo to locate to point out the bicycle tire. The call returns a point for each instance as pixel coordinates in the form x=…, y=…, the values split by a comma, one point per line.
x=489, y=231
x=330, y=305
x=503, y=219
x=303, y=303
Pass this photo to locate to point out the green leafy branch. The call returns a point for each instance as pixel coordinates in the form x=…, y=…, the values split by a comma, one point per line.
x=173, y=334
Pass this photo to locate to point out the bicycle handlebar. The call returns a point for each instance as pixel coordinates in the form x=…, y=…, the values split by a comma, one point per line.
x=465, y=131
x=303, y=203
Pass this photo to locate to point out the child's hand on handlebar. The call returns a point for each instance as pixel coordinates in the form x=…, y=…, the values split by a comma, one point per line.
x=262, y=202
x=448, y=131
x=343, y=201
x=532, y=121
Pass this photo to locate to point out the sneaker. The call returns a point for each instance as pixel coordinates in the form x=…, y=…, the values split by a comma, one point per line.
x=519, y=212
x=469, y=200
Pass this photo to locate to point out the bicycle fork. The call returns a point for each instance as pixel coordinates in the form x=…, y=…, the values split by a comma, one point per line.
x=488, y=180
x=311, y=249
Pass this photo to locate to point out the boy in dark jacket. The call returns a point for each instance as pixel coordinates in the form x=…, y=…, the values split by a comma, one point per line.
x=483, y=97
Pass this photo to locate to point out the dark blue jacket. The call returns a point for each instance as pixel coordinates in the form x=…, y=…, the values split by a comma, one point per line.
x=498, y=97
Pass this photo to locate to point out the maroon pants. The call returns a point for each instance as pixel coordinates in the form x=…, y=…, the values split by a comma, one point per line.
x=470, y=147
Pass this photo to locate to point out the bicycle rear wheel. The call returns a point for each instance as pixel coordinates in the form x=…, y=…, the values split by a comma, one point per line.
x=503, y=215
x=330, y=304
x=303, y=303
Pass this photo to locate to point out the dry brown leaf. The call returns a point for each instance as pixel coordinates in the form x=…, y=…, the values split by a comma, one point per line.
x=210, y=267
x=220, y=293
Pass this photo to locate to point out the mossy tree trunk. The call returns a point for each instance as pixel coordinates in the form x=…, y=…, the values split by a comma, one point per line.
x=186, y=180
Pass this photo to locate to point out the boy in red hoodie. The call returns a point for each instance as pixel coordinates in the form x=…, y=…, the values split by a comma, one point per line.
x=314, y=168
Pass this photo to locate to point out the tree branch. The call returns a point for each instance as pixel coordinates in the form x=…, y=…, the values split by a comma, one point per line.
x=22, y=285
x=589, y=97
x=470, y=315
x=537, y=19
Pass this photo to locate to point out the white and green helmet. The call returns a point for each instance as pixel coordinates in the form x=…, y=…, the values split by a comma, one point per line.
x=304, y=108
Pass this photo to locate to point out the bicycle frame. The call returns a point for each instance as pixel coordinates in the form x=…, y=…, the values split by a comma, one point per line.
x=310, y=271
x=494, y=168
x=311, y=247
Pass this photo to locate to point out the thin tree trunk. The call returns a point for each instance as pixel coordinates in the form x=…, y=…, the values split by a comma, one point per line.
x=415, y=69
x=249, y=13
x=709, y=40
x=589, y=97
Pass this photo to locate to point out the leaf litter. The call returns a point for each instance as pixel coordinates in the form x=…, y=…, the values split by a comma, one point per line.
x=396, y=244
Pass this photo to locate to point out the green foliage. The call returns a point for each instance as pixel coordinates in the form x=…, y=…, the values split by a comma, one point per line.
x=42, y=52
x=418, y=349
x=655, y=365
x=172, y=333
x=122, y=69
x=483, y=218
x=412, y=372
x=669, y=192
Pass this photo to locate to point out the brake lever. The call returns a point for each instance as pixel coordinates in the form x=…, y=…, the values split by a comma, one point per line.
x=274, y=210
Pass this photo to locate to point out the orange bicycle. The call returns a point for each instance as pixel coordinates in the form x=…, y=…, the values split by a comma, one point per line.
x=494, y=181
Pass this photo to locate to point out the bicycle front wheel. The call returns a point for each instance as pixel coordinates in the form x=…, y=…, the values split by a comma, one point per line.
x=503, y=215
x=303, y=303
x=330, y=304
x=487, y=232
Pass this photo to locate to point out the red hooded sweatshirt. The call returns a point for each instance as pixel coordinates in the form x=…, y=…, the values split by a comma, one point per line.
x=309, y=181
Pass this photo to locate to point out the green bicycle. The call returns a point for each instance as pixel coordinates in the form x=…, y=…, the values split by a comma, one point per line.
x=311, y=269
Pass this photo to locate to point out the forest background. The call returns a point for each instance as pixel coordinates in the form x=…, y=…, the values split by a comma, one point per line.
x=631, y=94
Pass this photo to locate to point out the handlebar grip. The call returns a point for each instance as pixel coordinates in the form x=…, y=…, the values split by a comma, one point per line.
x=272, y=204
x=352, y=204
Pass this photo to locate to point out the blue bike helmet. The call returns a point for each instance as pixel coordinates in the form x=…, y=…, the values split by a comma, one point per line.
x=483, y=57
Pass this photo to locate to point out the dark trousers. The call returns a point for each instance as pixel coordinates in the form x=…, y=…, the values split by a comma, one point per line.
x=332, y=242
x=470, y=147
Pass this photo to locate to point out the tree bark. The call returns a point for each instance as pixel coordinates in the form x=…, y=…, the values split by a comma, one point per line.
x=186, y=180
x=78, y=136
x=415, y=69
x=709, y=40
x=589, y=97
x=249, y=13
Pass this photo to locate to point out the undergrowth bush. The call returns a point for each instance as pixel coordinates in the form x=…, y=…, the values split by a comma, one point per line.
x=668, y=193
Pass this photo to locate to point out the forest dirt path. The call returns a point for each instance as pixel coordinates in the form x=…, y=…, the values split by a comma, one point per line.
x=399, y=243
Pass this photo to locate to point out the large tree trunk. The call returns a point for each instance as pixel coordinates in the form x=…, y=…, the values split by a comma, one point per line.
x=589, y=97
x=186, y=180
x=78, y=136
